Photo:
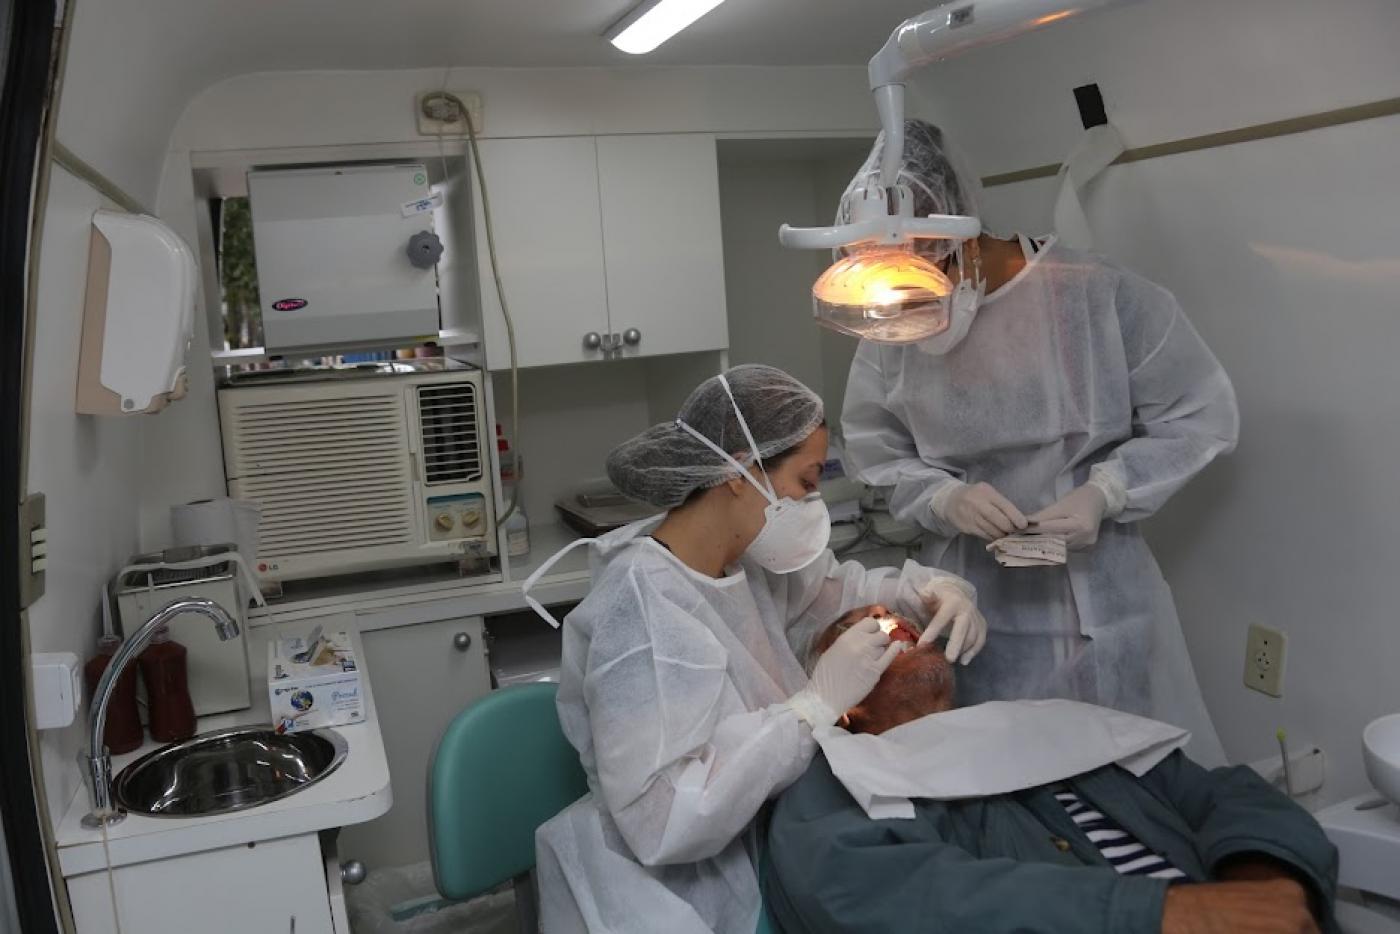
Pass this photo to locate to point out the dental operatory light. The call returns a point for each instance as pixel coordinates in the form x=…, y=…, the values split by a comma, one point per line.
x=884, y=294
x=880, y=288
x=655, y=21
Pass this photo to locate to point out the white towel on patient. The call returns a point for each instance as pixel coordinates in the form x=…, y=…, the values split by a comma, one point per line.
x=991, y=749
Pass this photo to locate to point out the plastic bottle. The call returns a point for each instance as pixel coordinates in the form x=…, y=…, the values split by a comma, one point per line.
x=169, y=707
x=518, y=532
x=517, y=524
x=507, y=459
x=123, y=732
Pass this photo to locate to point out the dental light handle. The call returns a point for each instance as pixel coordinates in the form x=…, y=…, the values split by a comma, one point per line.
x=949, y=29
x=883, y=229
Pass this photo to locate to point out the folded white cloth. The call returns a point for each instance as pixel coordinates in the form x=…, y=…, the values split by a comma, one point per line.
x=991, y=749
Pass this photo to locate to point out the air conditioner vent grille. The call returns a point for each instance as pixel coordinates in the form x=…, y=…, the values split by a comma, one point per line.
x=331, y=474
x=449, y=423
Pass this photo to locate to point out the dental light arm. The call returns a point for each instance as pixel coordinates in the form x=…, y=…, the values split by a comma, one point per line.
x=949, y=29
x=881, y=288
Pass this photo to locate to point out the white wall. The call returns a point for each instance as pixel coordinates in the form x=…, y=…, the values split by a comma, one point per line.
x=767, y=286
x=572, y=417
x=183, y=452
x=1285, y=254
x=127, y=79
x=134, y=64
x=88, y=467
x=1294, y=531
x=1168, y=69
x=277, y=109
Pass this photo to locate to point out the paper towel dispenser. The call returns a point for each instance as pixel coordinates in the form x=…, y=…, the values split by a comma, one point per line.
x=345, y=256
x=138, y=316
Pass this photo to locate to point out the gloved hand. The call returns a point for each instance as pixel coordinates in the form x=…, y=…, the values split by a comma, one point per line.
x=845, y=673
x=1077, y=516
x=950, y=603
x=978, y=509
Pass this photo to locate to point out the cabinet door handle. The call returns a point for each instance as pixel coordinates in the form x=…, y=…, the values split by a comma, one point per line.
x=592, y=340
x=462, y=641
x=632, y=337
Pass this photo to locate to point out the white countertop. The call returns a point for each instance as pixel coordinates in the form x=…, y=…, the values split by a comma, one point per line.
x=387, y=602
x=355, y=792
x=1368, y=843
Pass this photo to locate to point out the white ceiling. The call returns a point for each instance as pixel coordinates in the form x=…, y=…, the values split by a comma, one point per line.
x=373, y=34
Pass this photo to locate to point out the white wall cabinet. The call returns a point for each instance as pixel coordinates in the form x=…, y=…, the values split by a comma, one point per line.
x=271, y=887
x=546, y=220
x=602, y=236
x=662, y=242
x=422, y=679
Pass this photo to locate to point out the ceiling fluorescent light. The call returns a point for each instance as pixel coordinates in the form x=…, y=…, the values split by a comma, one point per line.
x=655, y=21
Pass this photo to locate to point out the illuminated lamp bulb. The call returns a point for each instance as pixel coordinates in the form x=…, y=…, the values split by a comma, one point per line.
x=886, y=294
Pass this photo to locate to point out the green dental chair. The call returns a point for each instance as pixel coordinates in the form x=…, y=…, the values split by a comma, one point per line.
x=501, y=769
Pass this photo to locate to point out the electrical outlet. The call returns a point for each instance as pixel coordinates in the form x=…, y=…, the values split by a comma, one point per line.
x=428, y=102
x=1264, y=657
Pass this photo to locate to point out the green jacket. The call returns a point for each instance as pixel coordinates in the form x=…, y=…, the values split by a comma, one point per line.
x=1017, y=862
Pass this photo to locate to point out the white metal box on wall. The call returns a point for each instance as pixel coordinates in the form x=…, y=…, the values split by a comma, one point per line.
x=332, y=252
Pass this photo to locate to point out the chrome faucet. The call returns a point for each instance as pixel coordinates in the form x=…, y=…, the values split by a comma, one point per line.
x=97, y=763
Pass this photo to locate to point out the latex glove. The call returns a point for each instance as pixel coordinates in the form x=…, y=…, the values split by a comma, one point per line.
x=1276, y=907
x=951, y=605
x=845, y=673
x=978, y=509
x=1076, y=517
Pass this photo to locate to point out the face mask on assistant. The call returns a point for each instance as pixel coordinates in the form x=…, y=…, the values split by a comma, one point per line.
x=795, y=532
x=962, y=303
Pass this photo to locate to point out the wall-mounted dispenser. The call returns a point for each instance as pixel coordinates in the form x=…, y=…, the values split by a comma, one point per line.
x=138, y=316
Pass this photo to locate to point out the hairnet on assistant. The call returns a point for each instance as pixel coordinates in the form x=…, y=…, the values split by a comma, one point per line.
x=665, y=464
x=934, y=173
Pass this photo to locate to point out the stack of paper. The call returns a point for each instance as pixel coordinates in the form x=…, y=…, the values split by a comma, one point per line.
x=1029, y=550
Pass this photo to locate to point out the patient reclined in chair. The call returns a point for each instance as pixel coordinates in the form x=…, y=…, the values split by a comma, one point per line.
x=1031, y=816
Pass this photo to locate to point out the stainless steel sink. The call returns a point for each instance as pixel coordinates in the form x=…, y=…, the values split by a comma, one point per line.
x=227, y=770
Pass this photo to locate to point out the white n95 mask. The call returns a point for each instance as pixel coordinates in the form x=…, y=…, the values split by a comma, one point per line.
x=962, y=308
x=795, y=532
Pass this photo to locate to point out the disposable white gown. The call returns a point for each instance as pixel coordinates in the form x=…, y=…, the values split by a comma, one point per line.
x=1074, y=363
x=671, y=689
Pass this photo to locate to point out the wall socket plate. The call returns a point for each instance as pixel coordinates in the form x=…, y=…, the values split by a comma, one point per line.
x=427, y=126
x=1265, y=651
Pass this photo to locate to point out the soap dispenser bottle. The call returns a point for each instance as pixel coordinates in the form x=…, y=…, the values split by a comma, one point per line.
x=123, y=732
x=165, y=671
